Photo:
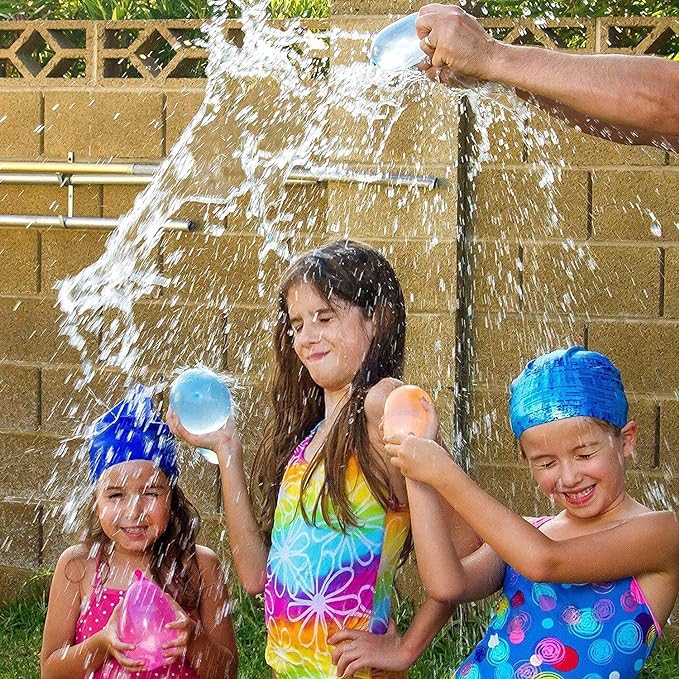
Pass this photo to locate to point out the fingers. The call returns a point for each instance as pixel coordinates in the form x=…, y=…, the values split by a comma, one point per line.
x=344, y=653
x=117, y=651
x=395, y=439
x=347, y=671
x=349, y=661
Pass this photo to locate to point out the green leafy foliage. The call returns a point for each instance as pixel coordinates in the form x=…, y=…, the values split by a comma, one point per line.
x=201, y=9
x=570, y=8
x=26, y=10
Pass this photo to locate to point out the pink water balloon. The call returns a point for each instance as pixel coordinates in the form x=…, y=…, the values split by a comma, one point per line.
x=145, y=611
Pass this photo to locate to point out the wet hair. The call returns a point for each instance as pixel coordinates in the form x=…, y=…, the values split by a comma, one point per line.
x=341, y=272
x=173, y=554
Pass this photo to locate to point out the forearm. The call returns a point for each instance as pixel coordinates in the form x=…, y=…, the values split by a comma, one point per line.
x=620, y=134
x=74, y=662
x=427, y=623
x=248, y=549
x=437, y=559
x=511, y=537
x=633, y=91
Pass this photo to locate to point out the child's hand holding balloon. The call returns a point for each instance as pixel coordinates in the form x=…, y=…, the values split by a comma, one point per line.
x=418, y=459
x=409, y=410
x=185, y=627
x=116, y=648
x=225, y=442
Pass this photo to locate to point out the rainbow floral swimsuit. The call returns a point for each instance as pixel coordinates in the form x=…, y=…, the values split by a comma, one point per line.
x=548, y=630
x=320, y=580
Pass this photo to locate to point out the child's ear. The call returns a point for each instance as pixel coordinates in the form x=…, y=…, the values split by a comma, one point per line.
x=629, y=438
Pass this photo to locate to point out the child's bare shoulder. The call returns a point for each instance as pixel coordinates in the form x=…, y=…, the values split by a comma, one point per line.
x=377, y=395
x=207, y=559
x=75, y=563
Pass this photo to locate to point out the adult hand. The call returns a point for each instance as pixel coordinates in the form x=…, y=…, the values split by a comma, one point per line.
x=186, y=628
x=355, y=650
x=456, y=45
x=116, y=648
x=417, y=458
x=225, y=442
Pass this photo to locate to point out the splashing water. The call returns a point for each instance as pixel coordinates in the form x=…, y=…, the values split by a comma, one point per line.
x=273, y=107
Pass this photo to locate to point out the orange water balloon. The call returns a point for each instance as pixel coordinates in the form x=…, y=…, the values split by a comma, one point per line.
x=404, y=412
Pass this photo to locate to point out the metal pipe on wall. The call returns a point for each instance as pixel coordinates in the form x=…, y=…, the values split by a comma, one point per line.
x=82, y=222
x=66, y=174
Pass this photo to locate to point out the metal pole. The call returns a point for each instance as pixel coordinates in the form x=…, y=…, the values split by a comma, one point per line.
x=28, y=221
x=139, y=173
x=70, y=168
x=70, y=200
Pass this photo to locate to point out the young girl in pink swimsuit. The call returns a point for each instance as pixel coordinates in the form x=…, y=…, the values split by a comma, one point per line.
x=141, y=521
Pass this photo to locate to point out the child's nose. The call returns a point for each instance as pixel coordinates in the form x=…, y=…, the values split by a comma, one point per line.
x=311, y=333
x=135, y=506
x=570, y=475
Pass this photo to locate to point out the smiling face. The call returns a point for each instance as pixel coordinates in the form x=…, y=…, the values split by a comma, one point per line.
x=331, y=340
x=580, y=463
x=133, y=504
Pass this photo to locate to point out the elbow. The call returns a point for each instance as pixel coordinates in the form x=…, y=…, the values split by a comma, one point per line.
x=252, y=585
x=541, y=564
x=445, y=592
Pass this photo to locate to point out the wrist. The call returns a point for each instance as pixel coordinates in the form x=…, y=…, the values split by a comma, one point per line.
x=408, y=653
x=500, y=56
x=224, y=451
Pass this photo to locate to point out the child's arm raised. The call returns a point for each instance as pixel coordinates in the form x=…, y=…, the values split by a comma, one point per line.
x=357, y=649
x=60, y=658
x=209, y=643
x=648, y=543
x=248, y=548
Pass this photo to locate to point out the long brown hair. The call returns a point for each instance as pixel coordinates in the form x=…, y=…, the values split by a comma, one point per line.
x=173, y=554
x=341, y=271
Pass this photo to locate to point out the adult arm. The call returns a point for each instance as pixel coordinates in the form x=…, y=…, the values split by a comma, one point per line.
x=638, y=93
x=247, y=546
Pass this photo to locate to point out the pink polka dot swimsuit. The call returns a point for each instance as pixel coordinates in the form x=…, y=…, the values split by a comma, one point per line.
x=93, y=618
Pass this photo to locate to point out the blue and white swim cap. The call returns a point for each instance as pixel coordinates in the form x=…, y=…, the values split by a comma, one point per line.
x=565, y=383
x=132, y=430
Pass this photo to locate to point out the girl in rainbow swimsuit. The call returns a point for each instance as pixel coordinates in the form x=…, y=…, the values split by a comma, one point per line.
x=324, y=542
x=585, y=592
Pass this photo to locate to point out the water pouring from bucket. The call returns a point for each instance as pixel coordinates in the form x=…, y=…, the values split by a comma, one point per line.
x=202, y=402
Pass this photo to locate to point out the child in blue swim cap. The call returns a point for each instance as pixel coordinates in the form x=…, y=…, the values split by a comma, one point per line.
x=141, y=521
x=585, y=593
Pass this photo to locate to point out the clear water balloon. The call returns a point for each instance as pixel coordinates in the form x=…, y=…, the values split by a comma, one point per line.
x=144, y=613
x=397, y=46
x=202, y=402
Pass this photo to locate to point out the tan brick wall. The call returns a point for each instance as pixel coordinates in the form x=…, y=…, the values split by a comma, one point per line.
x=591, y=258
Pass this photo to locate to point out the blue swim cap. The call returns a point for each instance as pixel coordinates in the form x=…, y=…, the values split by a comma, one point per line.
x=129, y=431
x=566, y=383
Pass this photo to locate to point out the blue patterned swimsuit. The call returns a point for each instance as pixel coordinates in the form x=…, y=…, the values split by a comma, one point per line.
x=551, y=630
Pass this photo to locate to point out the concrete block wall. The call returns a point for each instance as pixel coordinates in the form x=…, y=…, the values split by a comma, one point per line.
x=572, y=240
x=541, y=267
